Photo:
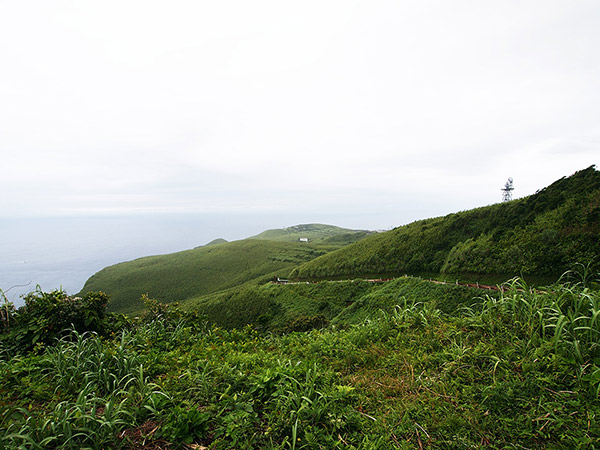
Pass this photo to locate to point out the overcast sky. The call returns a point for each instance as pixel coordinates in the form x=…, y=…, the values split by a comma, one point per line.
x=386, y=110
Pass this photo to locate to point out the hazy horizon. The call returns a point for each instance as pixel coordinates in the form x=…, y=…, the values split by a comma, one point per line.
x=63, y=252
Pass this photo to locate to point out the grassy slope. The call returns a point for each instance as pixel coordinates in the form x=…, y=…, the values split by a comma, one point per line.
x=203, y=270
x=304, y=306
x=545, y=233
x=217, y=266
x=492, y=377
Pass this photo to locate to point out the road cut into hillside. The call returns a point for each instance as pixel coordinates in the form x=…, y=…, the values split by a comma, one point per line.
x=476, y=285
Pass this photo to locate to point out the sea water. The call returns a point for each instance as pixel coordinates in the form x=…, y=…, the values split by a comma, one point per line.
x=63, y=252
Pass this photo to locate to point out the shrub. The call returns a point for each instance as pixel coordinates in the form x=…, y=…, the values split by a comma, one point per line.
x=47, y=316
x=307, y=323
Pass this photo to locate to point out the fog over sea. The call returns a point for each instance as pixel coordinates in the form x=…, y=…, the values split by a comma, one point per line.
x=66, y=251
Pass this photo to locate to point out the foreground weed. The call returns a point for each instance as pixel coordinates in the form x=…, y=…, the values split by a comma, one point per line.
x=88, y=422
x=83, y=359
x=498, y=376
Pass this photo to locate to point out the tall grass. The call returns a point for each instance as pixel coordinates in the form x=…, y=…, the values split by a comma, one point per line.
x=88, y=422
x=100, y=389
x=506, y=374
x=565, y=314
x=82, y=359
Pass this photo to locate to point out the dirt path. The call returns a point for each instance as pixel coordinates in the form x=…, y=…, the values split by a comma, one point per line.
x=383, y=280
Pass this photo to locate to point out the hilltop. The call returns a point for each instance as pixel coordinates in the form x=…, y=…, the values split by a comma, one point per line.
x=313, y=232
x=545, y=233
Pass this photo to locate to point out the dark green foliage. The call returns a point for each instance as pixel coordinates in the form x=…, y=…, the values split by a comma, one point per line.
x=239, y=307
x=347, y=238
x=503, y=373
x=306, y=323
x=185, y=425
x=276, y=307
x=448, y=298
x=47, y=315
x=59, y=311
x=545, y=233
x=304, y=306
x=90, y=388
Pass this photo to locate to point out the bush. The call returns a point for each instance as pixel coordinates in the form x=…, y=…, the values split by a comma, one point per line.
x=47, y=316
x=307, y=323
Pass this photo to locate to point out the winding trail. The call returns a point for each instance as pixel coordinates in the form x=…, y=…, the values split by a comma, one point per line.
x=384, y=280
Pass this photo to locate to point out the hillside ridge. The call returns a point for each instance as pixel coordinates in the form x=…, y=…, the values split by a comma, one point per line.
x=545, y=233
x=542, y=234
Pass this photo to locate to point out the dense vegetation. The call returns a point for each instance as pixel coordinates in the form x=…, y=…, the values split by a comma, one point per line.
x=45, y=317
x=519, y=370
x=545, y=233
x=212, y=268
x=300, y=307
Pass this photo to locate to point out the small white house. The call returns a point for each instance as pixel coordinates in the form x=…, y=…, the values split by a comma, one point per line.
x=303, y=239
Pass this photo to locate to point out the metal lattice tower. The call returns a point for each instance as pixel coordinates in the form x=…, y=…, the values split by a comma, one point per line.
x=507, y=191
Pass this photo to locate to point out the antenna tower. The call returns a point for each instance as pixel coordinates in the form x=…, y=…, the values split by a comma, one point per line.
x=507, y=191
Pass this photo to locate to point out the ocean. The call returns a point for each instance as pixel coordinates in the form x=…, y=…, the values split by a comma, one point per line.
x=63, y=252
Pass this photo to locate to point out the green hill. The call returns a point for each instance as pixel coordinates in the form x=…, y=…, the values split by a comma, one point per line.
x=314, y=232
x=201, y=271
x=216, y=266
x=545, y=233
x=299, y=307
